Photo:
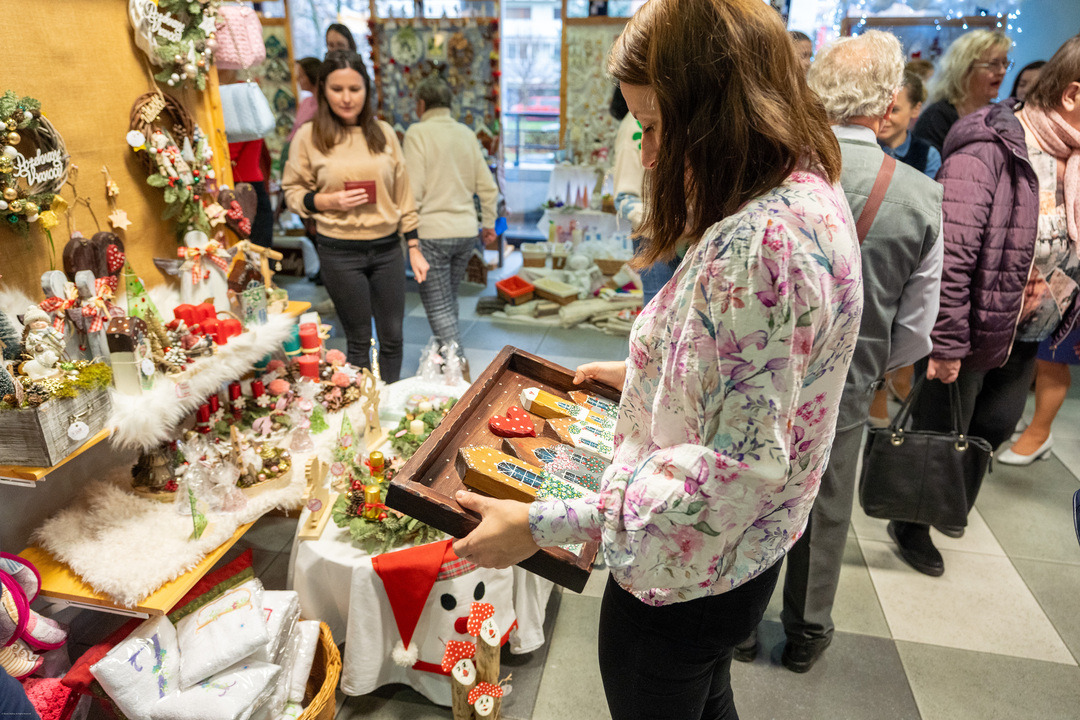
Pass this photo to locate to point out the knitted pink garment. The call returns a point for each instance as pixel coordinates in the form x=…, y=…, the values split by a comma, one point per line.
x=52, y=699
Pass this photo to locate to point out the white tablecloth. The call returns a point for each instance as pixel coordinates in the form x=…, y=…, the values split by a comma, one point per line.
x=337, y=585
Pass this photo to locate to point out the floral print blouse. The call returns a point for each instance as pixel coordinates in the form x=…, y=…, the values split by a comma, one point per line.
x=727, y=416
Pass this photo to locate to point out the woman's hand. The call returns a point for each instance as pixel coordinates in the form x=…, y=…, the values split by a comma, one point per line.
x=341, y=200
x=611, y=373
x=419, y=264
x=502, y=538
x=944, y=370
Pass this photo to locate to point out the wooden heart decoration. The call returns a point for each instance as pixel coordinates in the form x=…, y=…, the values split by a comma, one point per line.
x=239, y=205
x=516, y=423
x=102, y=254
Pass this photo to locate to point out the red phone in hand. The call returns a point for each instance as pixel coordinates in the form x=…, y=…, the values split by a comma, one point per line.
x=368, y=185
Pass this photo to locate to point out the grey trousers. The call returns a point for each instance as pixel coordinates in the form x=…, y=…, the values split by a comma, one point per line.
x=448, y=259
x=813, y=564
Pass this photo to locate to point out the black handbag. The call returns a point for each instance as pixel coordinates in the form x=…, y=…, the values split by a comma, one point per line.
x=920, y=476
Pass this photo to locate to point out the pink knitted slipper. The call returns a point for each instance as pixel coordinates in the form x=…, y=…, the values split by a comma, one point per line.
x=43, y=633
x=14, y=610
x=24, y=573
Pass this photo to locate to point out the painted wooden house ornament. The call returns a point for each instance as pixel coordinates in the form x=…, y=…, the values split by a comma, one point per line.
x=485, y=699
x=601, y=406
x=497, y=474
x=562, y=462
x=549, y=406
x=584, y=436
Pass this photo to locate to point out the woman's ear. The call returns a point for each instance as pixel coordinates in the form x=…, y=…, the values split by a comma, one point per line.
x=1070, y=99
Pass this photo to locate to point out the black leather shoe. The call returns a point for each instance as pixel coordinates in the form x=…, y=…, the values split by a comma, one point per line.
x=747, y=650
x=916, y=547
x=801, y=656
x=953, y=531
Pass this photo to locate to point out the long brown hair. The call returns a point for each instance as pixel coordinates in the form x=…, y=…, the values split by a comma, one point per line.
x=327, y=128
x=736, y=115
x=1060, y=70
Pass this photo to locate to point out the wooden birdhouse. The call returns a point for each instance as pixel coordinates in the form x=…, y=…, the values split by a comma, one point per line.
x=476, y=270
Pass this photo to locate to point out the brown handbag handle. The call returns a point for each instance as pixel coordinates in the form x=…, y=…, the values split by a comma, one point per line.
x=877, y=194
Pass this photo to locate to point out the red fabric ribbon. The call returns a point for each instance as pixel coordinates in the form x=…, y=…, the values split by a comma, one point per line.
x=97, y=307
x=59, y=306
x=211, y=252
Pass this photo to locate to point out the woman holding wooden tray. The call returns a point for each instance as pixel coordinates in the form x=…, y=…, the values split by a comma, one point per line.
x=735, y=370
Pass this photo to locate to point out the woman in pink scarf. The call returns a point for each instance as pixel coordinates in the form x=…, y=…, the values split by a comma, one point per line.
x=1051, y=120
x=1010, y=280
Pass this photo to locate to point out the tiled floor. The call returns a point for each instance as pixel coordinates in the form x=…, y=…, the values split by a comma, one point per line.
x=998, y=636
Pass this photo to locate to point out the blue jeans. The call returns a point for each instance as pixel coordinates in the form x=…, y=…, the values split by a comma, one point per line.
x=14, y=704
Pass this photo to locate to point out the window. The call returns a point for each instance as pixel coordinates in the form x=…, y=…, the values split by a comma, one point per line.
x=556, y=13
x=516, y=13
x=530, y=478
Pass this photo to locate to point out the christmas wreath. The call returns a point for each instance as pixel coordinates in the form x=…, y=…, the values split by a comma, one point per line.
x=177, y=35
x=177, y=156
x=29, y=183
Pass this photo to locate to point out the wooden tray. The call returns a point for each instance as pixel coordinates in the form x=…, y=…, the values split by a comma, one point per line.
x=425, y=486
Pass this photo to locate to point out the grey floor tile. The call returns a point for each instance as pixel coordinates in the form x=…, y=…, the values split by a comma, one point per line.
x=527, y=671
x=1056, y=587
x=952, y=684
x=479, y=359
x=571, y=687
x=393, y=702
x=575, y=342
x=859, y=677
x=1029, y=510
x=598, y=580
x=410, y=361
x=271, y=532
x=493, y=335
x=416, y=330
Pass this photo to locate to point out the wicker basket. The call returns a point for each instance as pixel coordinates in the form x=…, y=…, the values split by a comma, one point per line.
x=323, y=682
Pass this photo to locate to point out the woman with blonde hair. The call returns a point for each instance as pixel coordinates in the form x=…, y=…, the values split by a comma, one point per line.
x=735, y=371
x=969, y=76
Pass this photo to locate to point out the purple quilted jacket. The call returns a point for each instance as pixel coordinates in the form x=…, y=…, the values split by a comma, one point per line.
x=990, y=211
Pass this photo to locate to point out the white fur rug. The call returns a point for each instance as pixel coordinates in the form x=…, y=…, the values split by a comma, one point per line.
x=126, y=547
x=147, y=420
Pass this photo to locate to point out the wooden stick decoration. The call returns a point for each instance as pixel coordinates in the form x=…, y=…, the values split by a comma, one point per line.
x=486, y=700
x=458, y=661
x=485, y=629
x=265, y=256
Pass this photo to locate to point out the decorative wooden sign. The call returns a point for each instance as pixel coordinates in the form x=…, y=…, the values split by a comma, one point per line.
x=425, y=486
x=583, y=435
x=499, y=475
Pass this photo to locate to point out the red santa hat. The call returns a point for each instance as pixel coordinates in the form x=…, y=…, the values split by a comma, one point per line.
x=408, y=576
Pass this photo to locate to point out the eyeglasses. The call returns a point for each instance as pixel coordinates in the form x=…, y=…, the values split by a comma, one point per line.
x=1002, y=66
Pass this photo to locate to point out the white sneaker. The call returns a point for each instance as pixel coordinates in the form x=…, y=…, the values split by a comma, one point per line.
x=1008, y=457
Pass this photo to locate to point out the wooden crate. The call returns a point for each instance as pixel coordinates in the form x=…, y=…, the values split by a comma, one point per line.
x=38, y=437
x=426, y=485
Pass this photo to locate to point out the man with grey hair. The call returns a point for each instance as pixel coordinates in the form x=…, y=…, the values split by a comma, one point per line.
x=446, y=169
x=899, y=228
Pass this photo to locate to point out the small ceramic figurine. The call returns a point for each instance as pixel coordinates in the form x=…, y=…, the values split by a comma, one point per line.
x=43, y=344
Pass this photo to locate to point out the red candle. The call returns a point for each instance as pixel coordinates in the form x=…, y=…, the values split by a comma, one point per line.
x=210, y=327
x=309, y=337
x=186, y=313
x=257, y=388
x=234, y=390
x=227, y=328
x=215, y=403
x=205, y=311
x=202, y=415
x=309, y=367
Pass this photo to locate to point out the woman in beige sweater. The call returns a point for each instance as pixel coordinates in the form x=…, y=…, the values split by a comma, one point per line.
x=347, y=172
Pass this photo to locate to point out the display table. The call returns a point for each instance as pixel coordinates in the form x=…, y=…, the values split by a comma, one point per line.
x=337, y=584
x=608, y=225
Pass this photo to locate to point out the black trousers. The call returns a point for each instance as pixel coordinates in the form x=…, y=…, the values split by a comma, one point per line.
x=674, y=661
x=366, y=282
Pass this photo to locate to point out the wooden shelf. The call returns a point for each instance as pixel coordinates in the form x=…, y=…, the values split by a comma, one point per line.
x=296, y=308
x=58, y=582
x=23, y=475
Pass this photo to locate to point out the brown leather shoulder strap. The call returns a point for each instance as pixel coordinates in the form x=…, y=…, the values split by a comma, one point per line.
x=877, y=194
